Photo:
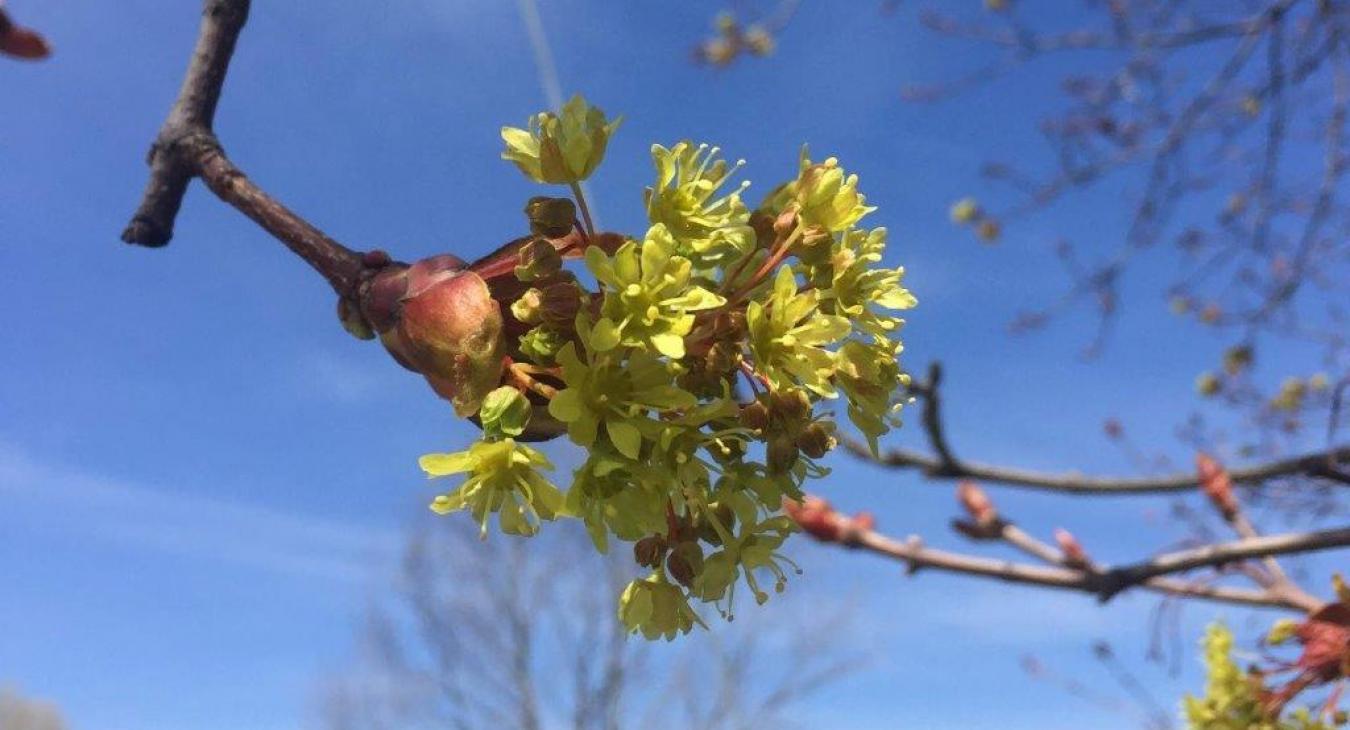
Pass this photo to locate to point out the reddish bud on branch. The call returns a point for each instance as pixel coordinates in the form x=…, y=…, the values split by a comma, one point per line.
x=1216, y=484
x=976, y=503
x=20, y=42
x=820, y=520
x=1074, y=554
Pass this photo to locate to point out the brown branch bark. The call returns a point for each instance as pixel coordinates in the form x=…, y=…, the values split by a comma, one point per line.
x=1280, y=595
x=1106, y=583
x=190, y=118
x=186, y=147
x=944, y=464
x=1318, y=464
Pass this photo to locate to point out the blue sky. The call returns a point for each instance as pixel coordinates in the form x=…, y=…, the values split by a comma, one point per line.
x=203, y=479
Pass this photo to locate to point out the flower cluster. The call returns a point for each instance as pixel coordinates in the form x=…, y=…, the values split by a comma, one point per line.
x=1238, y=699
x=695, y=363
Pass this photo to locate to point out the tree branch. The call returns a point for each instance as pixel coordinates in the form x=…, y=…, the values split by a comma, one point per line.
x=340, y=265
x=1318, y=464
x=987, y=524
x=821, y=521
x=186, y=147
x=191, y=117
x=944, y=465
x=1103, y=585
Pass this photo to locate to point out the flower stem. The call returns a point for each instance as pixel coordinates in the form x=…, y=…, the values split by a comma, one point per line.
x=585, y=209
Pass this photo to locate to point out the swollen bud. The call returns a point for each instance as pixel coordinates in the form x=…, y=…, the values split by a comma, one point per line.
x=789, y=406
x=527, y=307
x=538, y=259
x=451, y=329
x=551, y=217
x=685, y=563
x=755, y=416
x=817, y=439
x=649, y=551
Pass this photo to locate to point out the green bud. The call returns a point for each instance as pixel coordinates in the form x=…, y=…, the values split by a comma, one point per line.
x=965, y=210
x=551, y=217
x=527, y=307
x=505, y=412
x=542, y=344
x=817, y=439
x=538, y=259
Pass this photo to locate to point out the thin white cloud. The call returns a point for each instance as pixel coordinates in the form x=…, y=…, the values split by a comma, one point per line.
x=343, y=379
x=58, y=497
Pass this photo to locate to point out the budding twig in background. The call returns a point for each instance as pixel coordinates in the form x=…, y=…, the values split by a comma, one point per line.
x=17, y=41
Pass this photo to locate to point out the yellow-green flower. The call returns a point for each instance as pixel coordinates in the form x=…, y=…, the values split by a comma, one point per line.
x=503, y=477
x=656, y=608
x=708, y=225
x=560, y=148
x=617, y=395
x=788, y=333
x=649, y=295
x=1233, y=698
x=871, y=380
x=858, y=285
x=612, y=493
x=827, y=197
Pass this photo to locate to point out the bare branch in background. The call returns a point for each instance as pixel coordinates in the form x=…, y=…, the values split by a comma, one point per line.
x=498, y=633
x=942, y=464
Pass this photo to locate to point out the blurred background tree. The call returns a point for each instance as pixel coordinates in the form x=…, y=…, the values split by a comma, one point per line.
x=523, y=634
x=22, y=713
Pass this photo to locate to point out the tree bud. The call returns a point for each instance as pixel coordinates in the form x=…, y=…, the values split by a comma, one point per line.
x=452, y=330
x=755, y=416
x=551, y=217
x=538, y=259
x=352, y=320
x=789, y=406
x=817, y=439
x=649, y=551
x=527, y=307
x=685, y=563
